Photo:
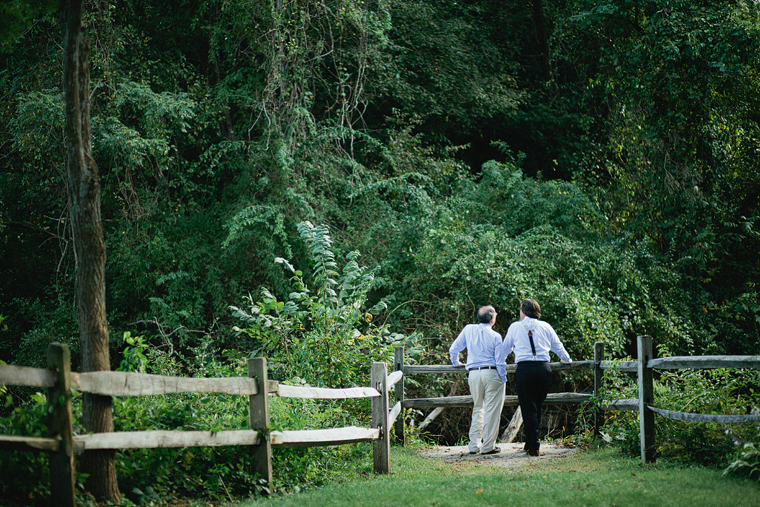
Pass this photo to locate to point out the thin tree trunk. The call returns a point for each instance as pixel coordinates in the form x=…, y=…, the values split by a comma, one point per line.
x=89, y=244
x=543, y=38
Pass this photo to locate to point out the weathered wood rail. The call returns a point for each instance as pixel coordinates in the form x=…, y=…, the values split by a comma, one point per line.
x=62, y=445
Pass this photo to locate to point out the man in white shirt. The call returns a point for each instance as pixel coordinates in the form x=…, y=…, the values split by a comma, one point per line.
x=487, y=377
x=531, y=340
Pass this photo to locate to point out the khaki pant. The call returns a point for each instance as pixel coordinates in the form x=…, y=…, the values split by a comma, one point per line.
x=487, y=391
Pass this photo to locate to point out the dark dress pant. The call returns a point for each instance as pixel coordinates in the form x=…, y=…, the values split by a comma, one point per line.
x=533, y=380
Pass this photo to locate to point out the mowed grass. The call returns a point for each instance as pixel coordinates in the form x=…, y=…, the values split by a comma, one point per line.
x=600, y=477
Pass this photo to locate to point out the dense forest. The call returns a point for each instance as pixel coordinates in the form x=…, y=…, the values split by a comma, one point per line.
x=318, y=181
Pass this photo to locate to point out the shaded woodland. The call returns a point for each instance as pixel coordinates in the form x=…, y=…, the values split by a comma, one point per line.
x=319, y=181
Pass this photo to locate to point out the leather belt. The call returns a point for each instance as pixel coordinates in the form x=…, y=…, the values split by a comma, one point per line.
x=483, y=368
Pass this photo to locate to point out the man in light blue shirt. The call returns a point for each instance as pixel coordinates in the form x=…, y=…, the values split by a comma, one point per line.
x=487, y=377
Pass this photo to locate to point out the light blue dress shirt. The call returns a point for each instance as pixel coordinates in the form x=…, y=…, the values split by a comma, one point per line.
x=483, y=346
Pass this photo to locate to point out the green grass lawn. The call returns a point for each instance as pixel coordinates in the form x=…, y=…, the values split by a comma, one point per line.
x=590, y=478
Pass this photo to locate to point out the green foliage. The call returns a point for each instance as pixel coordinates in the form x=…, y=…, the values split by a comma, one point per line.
x=747, y=463
x=15, y=16
x=322, y=334
x=134, y=354
x=17, y=467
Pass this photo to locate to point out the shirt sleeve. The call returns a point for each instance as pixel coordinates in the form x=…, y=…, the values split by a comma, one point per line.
x=500, y=359
x=557, y=347
x=508, y=344
x=458, y=346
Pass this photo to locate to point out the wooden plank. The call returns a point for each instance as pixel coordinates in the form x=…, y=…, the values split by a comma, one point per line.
x=444, y=401
x=316, y=438
x=513, y=428
x=163, y=439
x=434, y=368
x=704, y=362
x=259, y=420
x=118, y=383
x=709, y=418
x=393, y=378
x=15, y=443
x=395, y=411
x=326, y=393
x=60, y=426
x=622, y=366
x=559, y=398
x=440, y=369
x=398, y=393
x=23, y=376
x=381, y=448
x=430, y=418
x=626, y=405
x=575, y=365
x=509, y=400
x=646, y=398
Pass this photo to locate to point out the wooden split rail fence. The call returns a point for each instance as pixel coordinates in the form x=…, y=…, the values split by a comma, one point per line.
x=63, y=444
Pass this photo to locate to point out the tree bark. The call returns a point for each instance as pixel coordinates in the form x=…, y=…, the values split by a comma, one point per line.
x=89, y=244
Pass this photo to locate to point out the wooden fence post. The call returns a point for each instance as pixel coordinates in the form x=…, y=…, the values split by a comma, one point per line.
x=398, y=391
x=62, y=485
x=381, y=448
x=646, y=397
x=598, y=358
x=259, y=420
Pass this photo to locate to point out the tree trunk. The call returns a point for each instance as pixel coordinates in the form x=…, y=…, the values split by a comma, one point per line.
x=542, y=38
x=89, y=244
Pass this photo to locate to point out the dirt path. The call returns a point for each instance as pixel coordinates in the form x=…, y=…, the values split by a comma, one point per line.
x=511, y=455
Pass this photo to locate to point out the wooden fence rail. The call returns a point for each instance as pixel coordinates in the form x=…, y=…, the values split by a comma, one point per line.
x=62, y=444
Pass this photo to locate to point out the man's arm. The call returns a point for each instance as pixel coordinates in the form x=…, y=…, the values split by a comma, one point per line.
x=500, y=359
x=458, y=346
x=558, y=348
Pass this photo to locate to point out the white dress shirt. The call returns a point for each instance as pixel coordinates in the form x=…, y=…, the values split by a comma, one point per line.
x=545, y=339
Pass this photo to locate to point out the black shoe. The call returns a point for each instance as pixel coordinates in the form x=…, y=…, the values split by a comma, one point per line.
x=532, y=452
x=495, y=450
x=474, y=452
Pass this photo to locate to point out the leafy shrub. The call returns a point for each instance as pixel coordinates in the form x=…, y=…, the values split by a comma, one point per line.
x=717, y=391
x=16, y=467
x=747, y=463
x=323, y=334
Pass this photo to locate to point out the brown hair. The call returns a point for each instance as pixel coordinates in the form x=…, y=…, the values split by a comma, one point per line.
x=530, y=308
